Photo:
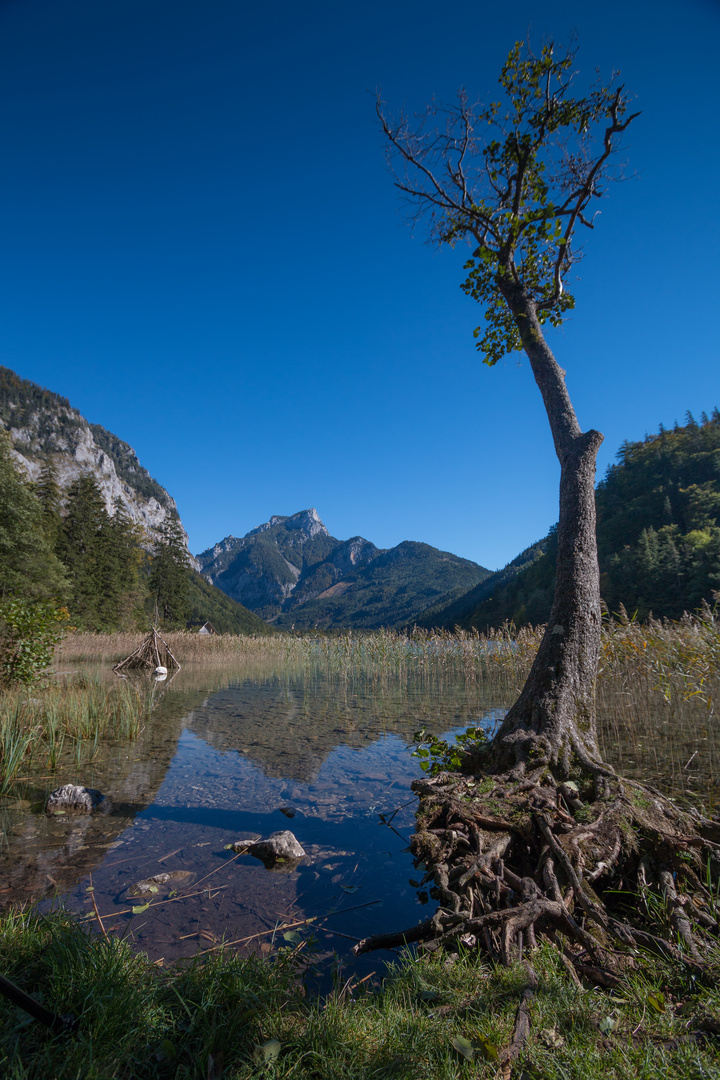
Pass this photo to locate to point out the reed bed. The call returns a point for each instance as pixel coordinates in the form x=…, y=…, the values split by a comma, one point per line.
x=661, y=660
x=657, y=687
x=39, y=724
x=502, y=657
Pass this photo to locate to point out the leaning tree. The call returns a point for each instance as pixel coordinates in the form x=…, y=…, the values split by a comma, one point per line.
x=555, y=834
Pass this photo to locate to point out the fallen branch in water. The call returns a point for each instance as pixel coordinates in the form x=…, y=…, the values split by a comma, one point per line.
x=97, y=913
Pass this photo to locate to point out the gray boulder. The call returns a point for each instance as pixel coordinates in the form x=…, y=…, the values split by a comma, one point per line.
x=280, y=847
x=73, y=798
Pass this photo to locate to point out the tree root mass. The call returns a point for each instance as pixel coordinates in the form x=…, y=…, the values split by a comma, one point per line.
x=602, y=870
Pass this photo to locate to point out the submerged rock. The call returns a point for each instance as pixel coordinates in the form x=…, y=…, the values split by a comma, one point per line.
x=160, y=884
x=280, y=850
x=243, y=846
x=72, y=797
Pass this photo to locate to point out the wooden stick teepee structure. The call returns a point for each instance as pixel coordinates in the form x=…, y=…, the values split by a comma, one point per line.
x=153, y=653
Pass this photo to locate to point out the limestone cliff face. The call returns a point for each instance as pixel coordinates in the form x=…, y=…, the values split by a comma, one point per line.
x=306, y=524
x=44, y=427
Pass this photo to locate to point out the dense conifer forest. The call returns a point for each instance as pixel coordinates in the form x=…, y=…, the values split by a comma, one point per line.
x=72, y=552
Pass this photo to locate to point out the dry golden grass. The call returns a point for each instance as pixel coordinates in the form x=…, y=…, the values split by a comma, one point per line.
x=657, y=686
x=187, y=645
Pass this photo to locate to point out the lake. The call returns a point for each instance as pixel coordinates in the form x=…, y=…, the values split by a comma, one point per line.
x=232, y=753
x=239, y=750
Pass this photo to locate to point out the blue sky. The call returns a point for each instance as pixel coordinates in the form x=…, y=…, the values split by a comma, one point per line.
x=201, y=247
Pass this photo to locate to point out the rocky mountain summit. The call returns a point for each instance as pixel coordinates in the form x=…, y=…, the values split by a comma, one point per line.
x=291, y=571
x=45, y=427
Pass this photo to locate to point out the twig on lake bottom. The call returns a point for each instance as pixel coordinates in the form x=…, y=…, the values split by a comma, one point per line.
x=282, y=929
x=97, y=913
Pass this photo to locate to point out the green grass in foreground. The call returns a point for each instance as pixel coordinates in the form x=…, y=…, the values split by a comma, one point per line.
x=253, y=1020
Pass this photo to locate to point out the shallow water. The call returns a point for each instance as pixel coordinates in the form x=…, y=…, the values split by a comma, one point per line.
x=235, y=752
x=231, y=754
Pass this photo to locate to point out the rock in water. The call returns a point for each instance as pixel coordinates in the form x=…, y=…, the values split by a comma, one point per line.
x=281, y=847
x=160, y=884
x=72, y=797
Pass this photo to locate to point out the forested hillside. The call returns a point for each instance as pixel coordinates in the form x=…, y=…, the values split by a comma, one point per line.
x=72, y=552
x=658, y=512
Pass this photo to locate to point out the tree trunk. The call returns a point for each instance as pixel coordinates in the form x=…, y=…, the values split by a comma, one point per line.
x=553, y=719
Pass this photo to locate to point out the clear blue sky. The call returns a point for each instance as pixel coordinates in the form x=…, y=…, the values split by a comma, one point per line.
x=200, y=246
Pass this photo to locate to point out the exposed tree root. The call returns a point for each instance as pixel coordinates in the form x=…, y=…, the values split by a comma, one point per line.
x=602, y=867
x=522, y=1023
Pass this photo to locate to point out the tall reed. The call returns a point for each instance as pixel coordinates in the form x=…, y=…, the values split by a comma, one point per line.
x=37, y=722
x=657, y=688
x=502, y=657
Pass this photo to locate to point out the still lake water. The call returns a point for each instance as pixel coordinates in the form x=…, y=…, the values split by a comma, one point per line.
x=229, y=754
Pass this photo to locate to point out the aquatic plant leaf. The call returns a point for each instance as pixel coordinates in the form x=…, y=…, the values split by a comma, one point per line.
x=350, y=888
x=139, y=908
x=292, y=936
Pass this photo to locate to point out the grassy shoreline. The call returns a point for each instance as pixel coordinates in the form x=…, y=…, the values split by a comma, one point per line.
x=657, y=688
x=443, y=1017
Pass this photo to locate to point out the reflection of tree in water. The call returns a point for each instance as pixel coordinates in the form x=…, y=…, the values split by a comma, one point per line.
x=288, y=725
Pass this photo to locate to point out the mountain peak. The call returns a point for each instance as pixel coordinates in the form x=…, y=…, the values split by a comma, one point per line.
x=305, y=521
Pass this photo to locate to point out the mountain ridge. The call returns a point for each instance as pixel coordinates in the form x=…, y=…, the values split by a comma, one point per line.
x=288, y=569
x=45, y=428
x=295, y=574
x=658, y=530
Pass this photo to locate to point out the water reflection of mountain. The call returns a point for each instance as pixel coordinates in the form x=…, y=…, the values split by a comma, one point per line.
x=285, y=723
x=288, y=725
